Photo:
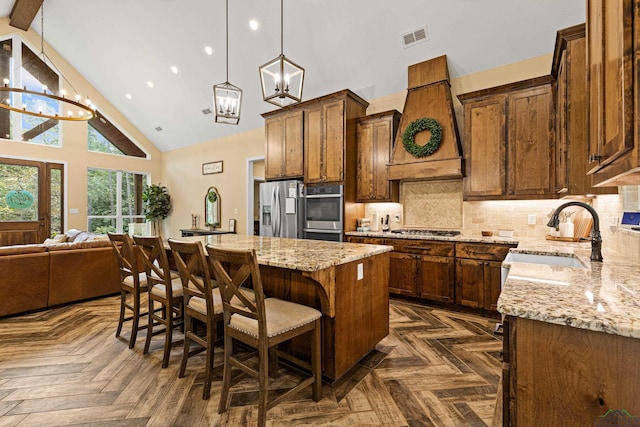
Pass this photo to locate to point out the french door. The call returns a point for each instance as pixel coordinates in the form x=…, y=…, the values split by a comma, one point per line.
x=31, y=201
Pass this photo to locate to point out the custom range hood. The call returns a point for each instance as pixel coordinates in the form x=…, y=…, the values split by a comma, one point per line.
x=428, y=97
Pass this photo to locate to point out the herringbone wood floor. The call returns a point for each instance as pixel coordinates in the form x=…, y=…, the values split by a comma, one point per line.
x=65, y=367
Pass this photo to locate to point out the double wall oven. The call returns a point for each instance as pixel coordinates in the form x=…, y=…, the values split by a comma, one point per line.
x=323, y=213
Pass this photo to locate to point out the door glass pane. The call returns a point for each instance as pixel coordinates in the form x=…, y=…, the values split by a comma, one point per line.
x=56, y=201
x=18, y=193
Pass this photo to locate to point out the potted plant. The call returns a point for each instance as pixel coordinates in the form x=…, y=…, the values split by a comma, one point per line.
x=157, y=204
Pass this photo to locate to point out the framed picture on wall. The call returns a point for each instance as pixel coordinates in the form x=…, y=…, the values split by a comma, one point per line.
x=232, y=225
x=212, y=167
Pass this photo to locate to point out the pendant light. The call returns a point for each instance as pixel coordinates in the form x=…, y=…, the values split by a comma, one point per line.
x=43, y=102
x=281, y=78
x=227, y=98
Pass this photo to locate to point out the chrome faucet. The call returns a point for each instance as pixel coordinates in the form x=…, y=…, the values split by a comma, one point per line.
x=596, y=238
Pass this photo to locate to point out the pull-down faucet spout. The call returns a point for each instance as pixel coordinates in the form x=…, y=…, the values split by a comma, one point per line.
x=596, y=238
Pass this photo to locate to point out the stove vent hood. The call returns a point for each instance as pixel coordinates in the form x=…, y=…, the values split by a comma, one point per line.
x=428, y=96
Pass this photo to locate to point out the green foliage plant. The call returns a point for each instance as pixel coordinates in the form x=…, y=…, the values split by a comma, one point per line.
x=157, y=204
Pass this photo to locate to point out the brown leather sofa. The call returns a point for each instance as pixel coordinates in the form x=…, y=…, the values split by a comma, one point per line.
x=56, y=272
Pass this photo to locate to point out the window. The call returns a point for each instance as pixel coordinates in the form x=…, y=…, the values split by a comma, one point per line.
x=24, y=68
x=114, y=200
x=97, y=142
x=104, y=137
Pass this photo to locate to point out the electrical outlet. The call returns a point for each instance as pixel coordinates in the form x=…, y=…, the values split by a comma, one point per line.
x=360, y=271
x=531, y=219
x=397, y=217
x=235, y=211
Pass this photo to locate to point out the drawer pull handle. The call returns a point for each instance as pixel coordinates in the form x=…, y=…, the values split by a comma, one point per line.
x=484, y=253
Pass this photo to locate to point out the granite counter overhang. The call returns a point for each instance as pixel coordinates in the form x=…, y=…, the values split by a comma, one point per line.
x=459, y=238
x=294, y=254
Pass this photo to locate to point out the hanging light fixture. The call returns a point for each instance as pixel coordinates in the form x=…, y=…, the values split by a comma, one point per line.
x=37, y=101
x=227, y=98
x=281, y=78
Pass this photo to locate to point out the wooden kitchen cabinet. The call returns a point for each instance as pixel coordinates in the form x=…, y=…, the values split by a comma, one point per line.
x=375, y=135
x=509, y=141
x=330, y=138
x=572, y=148
x=612, y=43
x=284, y=145
x=478, y=269
x=557, y=375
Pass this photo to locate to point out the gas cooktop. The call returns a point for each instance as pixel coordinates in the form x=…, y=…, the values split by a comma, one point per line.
x=417, y=231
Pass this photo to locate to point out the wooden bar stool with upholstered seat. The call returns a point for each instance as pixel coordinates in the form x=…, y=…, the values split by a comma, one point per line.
x=201, y=301
x=133, y=283
x=261, y=323
x=165, y=288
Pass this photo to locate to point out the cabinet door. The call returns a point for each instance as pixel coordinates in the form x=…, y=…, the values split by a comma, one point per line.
x=293, y=145
x=470, y=282
x=562, y=179
x=366, y=161
x=333, y=152
x=383, y=135
x=530, y=156
x=313, y=145
x=274, y=150
x=491, y=283
x=485, y=143
x=402, y=274
x=610, y=51
x=284, y=146
x=436, y=278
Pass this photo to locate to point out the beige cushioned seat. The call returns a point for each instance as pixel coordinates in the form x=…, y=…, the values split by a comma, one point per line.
x=282, y=316
x=176, y=289
x=199, y=304
x=128, y=281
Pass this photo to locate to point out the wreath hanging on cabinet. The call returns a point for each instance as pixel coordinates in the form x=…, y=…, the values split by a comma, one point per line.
x=418, y=125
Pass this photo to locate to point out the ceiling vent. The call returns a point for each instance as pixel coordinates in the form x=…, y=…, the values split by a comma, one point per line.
x=159, y=129
x=206, y=111
x=414, y=37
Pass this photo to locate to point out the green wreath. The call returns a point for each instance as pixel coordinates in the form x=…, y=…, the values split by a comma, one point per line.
x=419, y=125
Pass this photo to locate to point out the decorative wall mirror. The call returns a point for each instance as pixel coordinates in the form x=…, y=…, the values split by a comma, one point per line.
x=212, y=208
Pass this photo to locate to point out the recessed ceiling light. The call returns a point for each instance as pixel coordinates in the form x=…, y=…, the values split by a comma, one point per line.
x=127, y=95
x=150, y=84
x=174, y=70
x=253, y=24
x=209, y=50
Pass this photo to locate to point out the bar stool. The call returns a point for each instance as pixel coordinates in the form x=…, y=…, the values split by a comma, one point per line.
x=165, y=289
x=261, y=323
x=133, y=283
x=201, y=301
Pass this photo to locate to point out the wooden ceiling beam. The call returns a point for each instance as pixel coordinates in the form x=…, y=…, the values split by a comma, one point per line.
x=23, y=13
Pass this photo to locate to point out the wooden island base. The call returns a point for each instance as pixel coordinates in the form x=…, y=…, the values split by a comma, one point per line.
x=355, y=318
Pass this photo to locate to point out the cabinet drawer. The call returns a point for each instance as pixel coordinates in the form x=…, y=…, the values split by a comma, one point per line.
x=484, y=251
x=428, y=247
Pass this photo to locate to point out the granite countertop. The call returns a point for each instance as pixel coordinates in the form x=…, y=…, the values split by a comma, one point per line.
x=603, y=297
x=458, y=238
x=295, y=254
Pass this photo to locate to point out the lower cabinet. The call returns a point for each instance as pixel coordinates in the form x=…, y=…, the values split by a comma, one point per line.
x=466, y=274
x=478, y=268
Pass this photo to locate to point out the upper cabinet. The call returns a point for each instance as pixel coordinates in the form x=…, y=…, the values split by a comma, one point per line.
x=572, y=149
x=509, y=141
x=315, y=140
x=612, y=42
x=375, y=136
x=284, y=145
x=330, y=137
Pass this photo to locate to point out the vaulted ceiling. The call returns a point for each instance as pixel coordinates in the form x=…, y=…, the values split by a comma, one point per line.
x=120, y=45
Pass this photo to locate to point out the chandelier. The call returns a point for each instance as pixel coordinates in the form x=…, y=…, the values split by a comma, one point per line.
x=24, y=100
x=227, y=98
x=281, y=79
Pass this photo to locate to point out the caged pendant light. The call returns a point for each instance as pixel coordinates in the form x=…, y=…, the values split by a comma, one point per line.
x=281, y=79
x=227, y=98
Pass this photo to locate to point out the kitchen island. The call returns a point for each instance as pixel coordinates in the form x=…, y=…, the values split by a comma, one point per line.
x=571, y=338
x=348, y=282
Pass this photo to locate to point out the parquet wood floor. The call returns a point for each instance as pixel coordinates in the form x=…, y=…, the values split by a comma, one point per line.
x=65, y=367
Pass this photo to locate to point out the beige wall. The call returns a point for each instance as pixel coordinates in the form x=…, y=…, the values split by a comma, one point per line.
x=73, y=152
x=182, y=174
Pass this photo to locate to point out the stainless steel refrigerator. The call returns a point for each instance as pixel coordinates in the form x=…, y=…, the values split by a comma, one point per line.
x=281, y=209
